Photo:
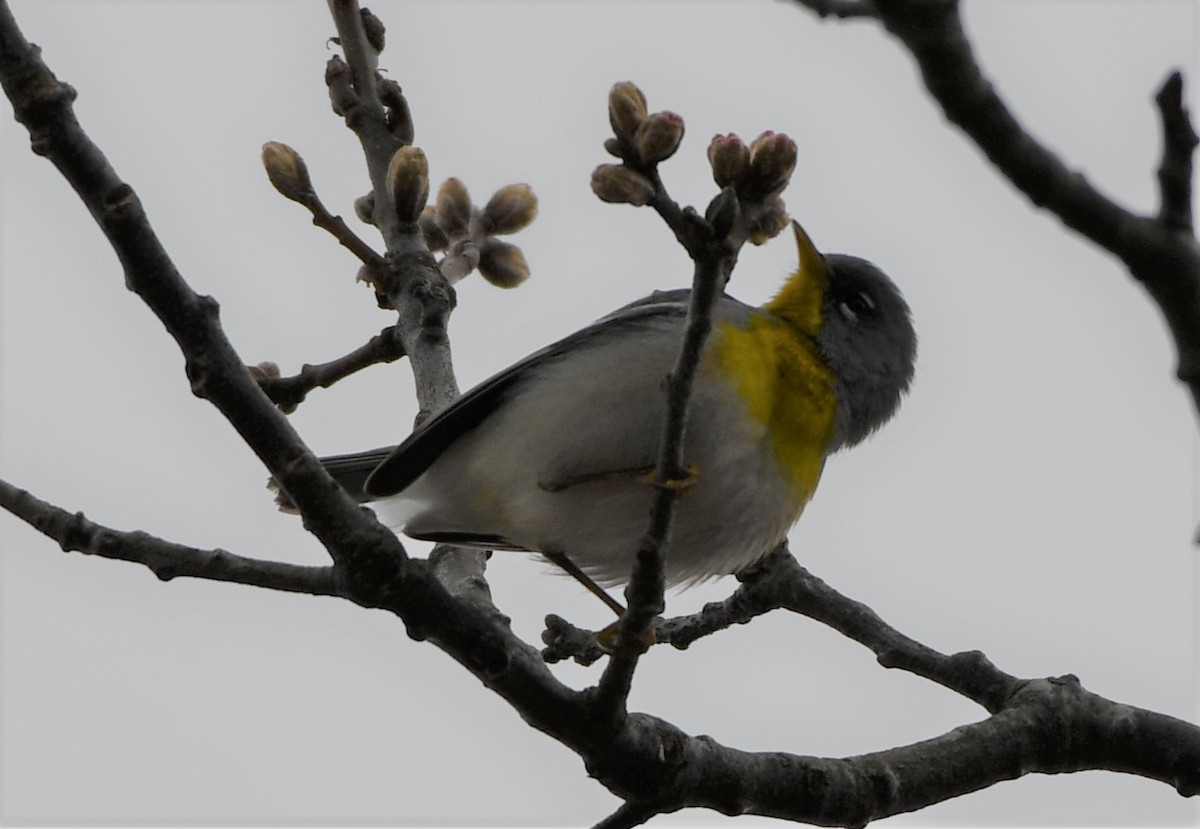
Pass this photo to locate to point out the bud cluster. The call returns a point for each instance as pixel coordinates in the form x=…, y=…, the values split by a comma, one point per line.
x=468, y=234
x=757, y=174
x=641, y=139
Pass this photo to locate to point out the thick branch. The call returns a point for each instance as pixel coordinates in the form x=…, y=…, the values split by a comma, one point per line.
x=167, y=560
x=1047, y=726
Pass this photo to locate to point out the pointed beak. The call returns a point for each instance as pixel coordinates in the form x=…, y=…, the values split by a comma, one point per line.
x=812, y=264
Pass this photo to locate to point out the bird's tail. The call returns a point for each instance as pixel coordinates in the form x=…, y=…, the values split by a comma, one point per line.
x=350, y=471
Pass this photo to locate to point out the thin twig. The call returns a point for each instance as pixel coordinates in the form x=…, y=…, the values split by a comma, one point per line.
x=167, y=560
x=338, y=228
x=289, y=392
x=1175, y=170
x=644, y=594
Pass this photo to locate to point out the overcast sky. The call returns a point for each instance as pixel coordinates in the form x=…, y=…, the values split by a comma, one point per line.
x=1034, y=498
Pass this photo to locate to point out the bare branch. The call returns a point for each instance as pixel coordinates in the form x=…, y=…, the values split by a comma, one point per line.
x=1157, y=254
x=778, y=581
x=365, y=548
x=167, y=560
x=843, y=9
x=289, y=392
x=629, y=815
x=1175, y=171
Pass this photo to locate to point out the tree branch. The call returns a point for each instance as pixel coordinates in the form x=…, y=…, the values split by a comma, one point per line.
x=1159, y=253
x=1175, y=171
x=167, y=560
x=842, y=9
x=289, y=392
x=370, y=554
x=777, y=582
x=1042, y=726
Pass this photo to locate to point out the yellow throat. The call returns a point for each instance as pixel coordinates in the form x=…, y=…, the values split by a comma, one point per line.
x=774, y=365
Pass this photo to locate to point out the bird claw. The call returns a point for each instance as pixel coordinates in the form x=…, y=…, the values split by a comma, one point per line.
x=677, y=484
x=607, y=640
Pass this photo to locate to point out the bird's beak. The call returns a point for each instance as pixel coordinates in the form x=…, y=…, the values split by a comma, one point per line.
x=812, y=265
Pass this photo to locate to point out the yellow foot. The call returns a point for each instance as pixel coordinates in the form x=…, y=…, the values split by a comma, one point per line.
x=678, y=484
x=607, y=640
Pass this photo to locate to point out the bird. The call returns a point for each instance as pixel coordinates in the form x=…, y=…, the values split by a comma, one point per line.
x=552, y=455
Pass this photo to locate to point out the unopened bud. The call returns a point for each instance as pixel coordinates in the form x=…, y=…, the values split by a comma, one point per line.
x=618, y=184
x=364, y=208
x=408, y=182
x=435, y=237
x=373, y=28
x=264, y=371
x=399, y=117
x=287, y=171
x=510, y=209
x=342, y=96
x=453, y=207
x=658, y=137
x=770, y=222
x=626, y=109
x=503, y=264
x=729, y=158
x=613, y=147
x=772, y=160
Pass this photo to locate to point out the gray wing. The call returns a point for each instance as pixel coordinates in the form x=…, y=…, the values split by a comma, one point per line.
x=415, y=455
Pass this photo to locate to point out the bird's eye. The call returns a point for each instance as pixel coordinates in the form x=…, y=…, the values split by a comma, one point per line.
x=856, y=306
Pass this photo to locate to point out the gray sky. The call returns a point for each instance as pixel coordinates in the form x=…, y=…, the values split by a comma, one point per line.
x=1034, y=498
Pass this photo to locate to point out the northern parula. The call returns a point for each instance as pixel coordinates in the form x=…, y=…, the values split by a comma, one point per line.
x=551, y=455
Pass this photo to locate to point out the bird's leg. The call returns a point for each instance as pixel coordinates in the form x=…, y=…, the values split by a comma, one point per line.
x=604, y=638
x=572, y=569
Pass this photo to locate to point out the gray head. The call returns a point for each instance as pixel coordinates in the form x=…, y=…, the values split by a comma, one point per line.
x=868, y=342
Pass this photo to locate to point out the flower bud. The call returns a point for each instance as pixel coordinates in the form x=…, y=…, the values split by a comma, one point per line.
x=264, y=371
x=729, y=159
x=772, y=160
x=398, y=116
x=408, y=182
x=618, y=184
x=510, y=209
x=613, y=147
x=503, y=264
x=287, y=171
x=453, y=207
x=657, y=138
x=342, y=96
x=373, y=29
x=626, y=109
x=364, y=208
x=435, y=237
x=770, y=222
